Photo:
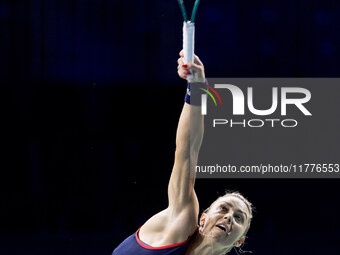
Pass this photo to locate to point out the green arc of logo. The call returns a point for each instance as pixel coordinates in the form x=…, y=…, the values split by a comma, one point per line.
x=209, y=95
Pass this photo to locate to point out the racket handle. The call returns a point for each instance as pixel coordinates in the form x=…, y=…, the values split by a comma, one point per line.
x=188, y=44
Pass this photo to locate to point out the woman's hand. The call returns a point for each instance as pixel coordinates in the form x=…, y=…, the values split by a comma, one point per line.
x=196, y=67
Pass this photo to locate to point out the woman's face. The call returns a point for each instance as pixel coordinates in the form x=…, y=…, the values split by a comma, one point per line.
x=226, y=221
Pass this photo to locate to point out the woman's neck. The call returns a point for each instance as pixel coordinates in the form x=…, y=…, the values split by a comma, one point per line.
x=204, y=245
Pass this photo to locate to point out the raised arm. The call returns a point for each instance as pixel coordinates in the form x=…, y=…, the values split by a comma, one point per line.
x=179, y=220
x=188, y=142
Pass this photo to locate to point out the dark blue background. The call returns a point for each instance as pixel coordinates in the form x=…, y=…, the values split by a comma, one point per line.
x=90, y=101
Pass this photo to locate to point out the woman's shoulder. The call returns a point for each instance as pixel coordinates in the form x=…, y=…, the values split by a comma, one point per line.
x=166, y=227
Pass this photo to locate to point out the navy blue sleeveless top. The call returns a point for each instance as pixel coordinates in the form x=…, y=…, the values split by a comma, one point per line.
x=134, y=246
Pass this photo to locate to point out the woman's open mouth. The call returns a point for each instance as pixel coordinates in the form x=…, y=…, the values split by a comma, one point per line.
x=222, y=227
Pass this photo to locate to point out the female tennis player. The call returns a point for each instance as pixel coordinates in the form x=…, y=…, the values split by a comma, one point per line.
x=176, y=229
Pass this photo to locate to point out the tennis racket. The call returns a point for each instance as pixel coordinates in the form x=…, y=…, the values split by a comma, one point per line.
x=188, y=34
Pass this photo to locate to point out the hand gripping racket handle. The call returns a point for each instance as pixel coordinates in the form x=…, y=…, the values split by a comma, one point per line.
x=188, y=44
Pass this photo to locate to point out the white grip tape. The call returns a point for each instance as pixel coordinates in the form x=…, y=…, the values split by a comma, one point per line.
x=188, y=44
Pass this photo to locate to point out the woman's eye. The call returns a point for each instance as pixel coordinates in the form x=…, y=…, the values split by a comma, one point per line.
x=238, y=218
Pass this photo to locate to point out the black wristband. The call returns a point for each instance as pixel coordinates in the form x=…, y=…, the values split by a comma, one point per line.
x=188, y=94
x=194, y=91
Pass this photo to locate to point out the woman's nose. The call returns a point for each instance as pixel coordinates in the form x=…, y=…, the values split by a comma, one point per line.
x=228, y=216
